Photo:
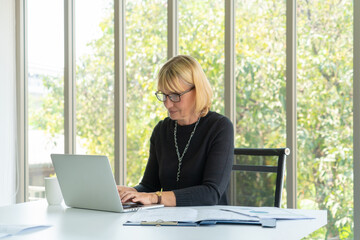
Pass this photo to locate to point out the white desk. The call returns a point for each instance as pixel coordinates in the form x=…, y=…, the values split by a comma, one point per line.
x=71, y=223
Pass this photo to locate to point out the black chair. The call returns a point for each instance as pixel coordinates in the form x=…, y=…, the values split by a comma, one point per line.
x=258, y=175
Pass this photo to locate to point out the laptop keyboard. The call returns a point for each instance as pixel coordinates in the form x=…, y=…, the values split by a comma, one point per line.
x=131, y=205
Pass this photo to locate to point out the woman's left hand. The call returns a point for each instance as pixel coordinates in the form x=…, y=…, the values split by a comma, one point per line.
x=141, y=197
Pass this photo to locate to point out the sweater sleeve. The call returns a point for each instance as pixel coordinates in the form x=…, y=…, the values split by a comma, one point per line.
x=216, y=175
x=150, y=181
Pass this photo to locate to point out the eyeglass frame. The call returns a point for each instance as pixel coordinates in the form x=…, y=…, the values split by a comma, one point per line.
x=170, y=96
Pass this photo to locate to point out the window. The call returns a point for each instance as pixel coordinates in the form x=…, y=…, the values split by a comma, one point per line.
x=145, y=52
x=260, y=73
x=324, y=83
x=45, y=90
x=94, y=34
x=201, y=35
x=260, y=37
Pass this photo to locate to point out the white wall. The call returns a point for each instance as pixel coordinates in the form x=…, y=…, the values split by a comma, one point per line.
x=7, y=102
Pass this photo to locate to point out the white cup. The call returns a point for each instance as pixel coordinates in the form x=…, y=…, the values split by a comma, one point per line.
x=52, y=191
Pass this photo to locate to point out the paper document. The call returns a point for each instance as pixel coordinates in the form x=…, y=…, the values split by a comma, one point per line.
x=11, y=230
x=266, y=212
x=168, y=216
x=186, y=214
x=207, y=214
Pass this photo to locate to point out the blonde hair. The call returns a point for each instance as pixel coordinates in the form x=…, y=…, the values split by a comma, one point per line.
x=186, y=69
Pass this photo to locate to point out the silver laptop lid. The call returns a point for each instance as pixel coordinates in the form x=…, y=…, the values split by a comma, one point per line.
x=86, y=181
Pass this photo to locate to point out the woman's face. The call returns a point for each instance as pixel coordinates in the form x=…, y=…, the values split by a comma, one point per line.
x=184, y=111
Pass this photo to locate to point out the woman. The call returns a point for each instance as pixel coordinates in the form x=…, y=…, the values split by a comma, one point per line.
x=191, y=151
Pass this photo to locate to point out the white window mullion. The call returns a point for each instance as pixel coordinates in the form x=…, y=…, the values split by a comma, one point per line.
x=356, y=119
x=230, y=91
x=69, y=77
x=173, y=29
x=291, y=120
x=120, y=93
x=21, y=101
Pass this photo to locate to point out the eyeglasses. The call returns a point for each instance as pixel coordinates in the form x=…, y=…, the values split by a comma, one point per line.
x=174, y=97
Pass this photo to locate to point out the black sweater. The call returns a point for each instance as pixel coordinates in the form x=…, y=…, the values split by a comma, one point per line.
x=206, y=166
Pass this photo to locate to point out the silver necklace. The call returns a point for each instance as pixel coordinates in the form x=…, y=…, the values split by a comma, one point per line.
x=186, y=147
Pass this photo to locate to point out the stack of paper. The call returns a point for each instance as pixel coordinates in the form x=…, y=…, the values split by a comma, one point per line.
x=185, y=216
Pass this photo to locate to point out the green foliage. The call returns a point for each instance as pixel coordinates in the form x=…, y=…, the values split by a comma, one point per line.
x=260, y=74
x=255, y=188
x=49, y=117
x=146, y=43
x=324, y=97
x=95, y=94
x=201, y=35
x=325, y=112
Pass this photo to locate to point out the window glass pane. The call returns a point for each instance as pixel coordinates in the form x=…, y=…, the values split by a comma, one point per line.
x=260, y=37
x=95, y=77
x=256, y=160
x=45, y=89
x=201, y=35
x=324, y=92
x=254, y=188
x=146, y=44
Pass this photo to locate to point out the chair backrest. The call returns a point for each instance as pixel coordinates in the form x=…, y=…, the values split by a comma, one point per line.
x=258, y=175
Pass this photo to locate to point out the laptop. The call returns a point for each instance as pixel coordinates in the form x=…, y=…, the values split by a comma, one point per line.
x=86, y=181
